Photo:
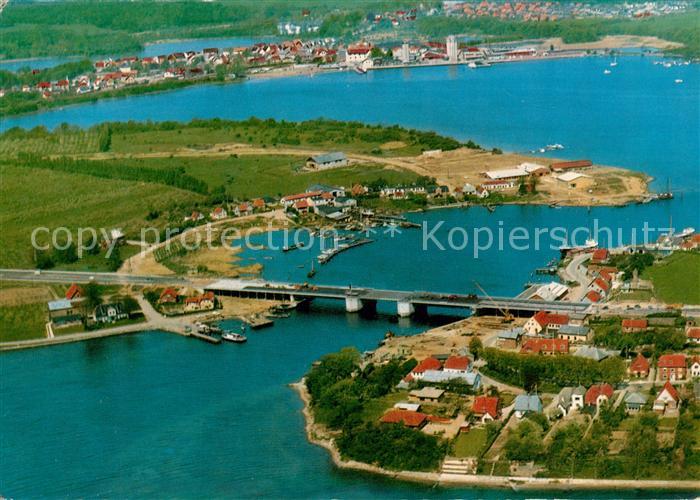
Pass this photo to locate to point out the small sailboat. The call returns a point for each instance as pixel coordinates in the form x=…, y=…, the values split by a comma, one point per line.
x=613, y=63
x=312, y=272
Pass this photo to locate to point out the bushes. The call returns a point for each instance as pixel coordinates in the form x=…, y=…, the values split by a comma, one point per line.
x=530, y=370
x=392, y=447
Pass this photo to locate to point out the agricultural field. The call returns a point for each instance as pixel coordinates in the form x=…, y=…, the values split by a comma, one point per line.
x=250, y=176
x=676, y=278
x=31, y=198
x=40, y=142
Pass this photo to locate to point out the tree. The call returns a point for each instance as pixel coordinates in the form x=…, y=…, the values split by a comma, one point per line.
x=522, y=189
x=475, y=347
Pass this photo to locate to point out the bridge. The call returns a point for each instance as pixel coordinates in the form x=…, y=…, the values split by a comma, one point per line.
x=355, y=298
x=407, y=302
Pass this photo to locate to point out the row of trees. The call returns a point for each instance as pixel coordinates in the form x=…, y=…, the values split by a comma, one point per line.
x=531, y=370
x=340, y=392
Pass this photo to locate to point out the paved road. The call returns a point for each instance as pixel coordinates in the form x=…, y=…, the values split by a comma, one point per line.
x=577, y=271
x=85, y=277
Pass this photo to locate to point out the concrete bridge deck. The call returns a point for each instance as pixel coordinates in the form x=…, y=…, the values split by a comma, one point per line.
x=407, y=302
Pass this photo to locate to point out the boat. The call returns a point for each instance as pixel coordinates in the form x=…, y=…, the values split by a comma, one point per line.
x=286, y=306
x=236, y=338
x=472, y=65
x=614, y=63
x=678, y=80
x=312, y=272
x=359, y=70
x=553, y=147
x=490, y=208
x=607, y=72
x=589, y=245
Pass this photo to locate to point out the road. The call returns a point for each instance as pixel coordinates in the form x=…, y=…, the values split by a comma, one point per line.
x=85, y=277
x=578, y=272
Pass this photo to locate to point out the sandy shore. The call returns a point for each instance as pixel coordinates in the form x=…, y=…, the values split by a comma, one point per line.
x=614, y=42
x=317, y=435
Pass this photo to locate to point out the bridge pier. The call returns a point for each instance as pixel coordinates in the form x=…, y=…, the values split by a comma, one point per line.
x=404, y=308
x=353, y=303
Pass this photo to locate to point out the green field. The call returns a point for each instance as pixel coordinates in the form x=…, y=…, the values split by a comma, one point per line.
x=472, y=443
x=31, y=198
x=22, y=322
x=676, y=278
x=250, y=176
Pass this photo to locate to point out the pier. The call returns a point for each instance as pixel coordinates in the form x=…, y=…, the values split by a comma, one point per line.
x=326, y=256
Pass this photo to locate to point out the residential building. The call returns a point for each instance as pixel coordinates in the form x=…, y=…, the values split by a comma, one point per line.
x=509, y=339
x=547, y=347
x=667, y=400
x=218, y=213
x=109, y=313
x=525, y=404
x=692, y=333
x=634, y=325
x=635, y=401
x=408, y=418
x=598, y=394
x=672, y=367
x=485, y=408
x=695, y=367
x=570, y=399
x=457, y=364
x=74, y=292
x=471, y=379
x=427, y=364
x=426, y=394
x=168, y=296
x=544, y=322
x=574, y=333
x=599, y=256
x=594, y=353
x=639, y=367
x=204, y=302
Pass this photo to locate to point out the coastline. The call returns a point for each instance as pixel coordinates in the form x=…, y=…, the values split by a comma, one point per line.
x=315, y=435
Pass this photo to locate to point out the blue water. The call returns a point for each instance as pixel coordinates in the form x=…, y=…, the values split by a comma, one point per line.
x=156, y=414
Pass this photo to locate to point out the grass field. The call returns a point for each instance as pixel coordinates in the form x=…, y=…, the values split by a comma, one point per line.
x=375, y=408
x=249, y=176
x=676, y=278
x=22, y=322
x=470, y=444
x=40, y=198
x=73, y=142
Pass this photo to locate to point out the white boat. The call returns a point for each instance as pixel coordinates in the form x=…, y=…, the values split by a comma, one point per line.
x=614, y=63
x=234, y=337
x=360, y=70
x=607, y=72
x=678, y=80
x=472, y=65
x=589, y=245
x=553, y=147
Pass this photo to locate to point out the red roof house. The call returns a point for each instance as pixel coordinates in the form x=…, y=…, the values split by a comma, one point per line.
x=632, y=325
x=597, y=394
x=168, y=296
x=672, y=367
x=406, y=417
x=545, y=346
x=593, y=296
x=74, y=292
x=457, y=364
x=486, y=407
x=639, y=366
x=427, y=364
x=599, y=255
x=693, y=334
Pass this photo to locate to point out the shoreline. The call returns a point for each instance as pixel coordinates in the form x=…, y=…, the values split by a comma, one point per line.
x=514, y=483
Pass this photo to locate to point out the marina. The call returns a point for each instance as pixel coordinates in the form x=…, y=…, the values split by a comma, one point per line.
x=327, y=255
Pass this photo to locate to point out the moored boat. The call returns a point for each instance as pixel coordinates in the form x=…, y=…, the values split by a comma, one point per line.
x=234, y=337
